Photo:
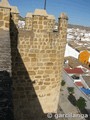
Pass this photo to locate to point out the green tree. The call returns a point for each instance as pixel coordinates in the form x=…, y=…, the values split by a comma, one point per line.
x=70, y=90
x=81, y=103
x=62, y=83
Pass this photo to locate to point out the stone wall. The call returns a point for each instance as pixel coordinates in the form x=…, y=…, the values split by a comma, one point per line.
x=4, y=18
x=37, y=65
x=5, y=51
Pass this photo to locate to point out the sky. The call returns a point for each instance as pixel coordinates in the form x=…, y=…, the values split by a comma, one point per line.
x=78, y=11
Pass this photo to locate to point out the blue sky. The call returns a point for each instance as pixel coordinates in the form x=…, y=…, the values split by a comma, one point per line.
x=78, y=11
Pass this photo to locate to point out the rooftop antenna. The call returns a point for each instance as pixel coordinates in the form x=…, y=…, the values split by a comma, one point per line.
x=44, y=4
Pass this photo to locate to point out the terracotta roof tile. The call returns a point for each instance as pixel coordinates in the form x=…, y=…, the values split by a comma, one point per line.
x=79, y=84
x=74, y=71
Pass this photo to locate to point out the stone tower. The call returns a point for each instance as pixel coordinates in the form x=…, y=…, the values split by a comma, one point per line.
x=40, y=73
x=37, y=61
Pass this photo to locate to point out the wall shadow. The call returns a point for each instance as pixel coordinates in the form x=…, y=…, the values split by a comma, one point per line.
x=25, y=100
x=84, y=111
x=6, y=105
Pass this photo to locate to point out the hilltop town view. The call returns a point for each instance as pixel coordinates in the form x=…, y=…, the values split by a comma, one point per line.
x=44, y=62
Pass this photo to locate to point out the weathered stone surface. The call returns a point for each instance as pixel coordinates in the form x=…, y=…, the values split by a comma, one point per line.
x=7, y=18
x=5, y=51
x=1, y=15
x=4, y=18
x=7, y=25
x=1, y=23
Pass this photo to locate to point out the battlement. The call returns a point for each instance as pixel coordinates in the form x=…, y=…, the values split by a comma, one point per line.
x=39, y=20
x=42, y=23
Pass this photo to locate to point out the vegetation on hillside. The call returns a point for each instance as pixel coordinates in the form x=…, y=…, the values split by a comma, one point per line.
x=21, y=18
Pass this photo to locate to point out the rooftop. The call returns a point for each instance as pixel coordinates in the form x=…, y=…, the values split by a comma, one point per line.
x=86, y=91
x=73, y=62
x=80, y=45
x=87, y=80
x=79, y=84
x=75, y=71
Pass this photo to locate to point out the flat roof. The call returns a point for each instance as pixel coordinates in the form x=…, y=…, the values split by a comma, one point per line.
x=86, y=91
x=87, y=80
x=74, y=70
x=80, y=45
x=79, y=84
x=74, y=62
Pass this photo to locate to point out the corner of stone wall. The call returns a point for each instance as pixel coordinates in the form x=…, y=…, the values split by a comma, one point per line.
x=28, y=21
x=15, y=15
x=62, y=26
x=42, y=52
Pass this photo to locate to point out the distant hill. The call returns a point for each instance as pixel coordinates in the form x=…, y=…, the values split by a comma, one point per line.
x=79, y=26
x=21, y=18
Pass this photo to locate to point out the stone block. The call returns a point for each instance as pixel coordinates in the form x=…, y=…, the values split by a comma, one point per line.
x=47, y=83
x=32, y=55
x=7, y=18
x=36, y=87
x=43, y=87
x=32, y=72
x=1, y=23
x=1, y=15
x=7, y=25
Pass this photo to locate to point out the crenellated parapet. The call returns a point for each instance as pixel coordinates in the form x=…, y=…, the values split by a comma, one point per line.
x=39, y=21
